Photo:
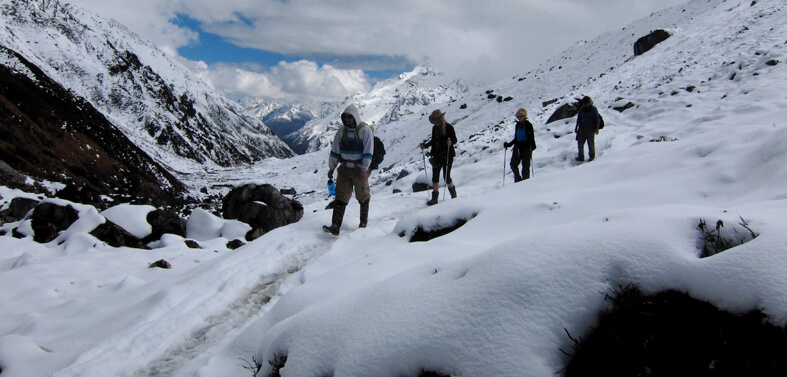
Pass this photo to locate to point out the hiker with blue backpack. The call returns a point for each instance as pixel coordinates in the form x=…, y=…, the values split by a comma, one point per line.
x=353, y=147
x=588, y=124
x=524, y=143
x=442, y=153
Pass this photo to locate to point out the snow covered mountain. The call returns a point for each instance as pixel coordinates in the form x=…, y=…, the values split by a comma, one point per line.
x=283, y=120
x=156, y=102
x=704, y=139
x=388, y=101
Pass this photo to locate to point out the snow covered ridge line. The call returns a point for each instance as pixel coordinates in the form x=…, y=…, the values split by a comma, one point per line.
x=156, y=102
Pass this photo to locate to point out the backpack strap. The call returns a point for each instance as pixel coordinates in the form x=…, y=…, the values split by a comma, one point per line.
x=344, y=133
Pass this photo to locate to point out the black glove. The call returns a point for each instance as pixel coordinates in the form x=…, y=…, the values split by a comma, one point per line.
x=506, y=145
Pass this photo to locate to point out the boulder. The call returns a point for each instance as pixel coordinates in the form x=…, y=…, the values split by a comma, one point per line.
x=17, y=209
x=49, y=219
x=161, y=263
x=419, y=186
x=568, y=110
x=263, y=207
x=116, y=236
x=649, y=41
x=402, y=174
x=165, y=222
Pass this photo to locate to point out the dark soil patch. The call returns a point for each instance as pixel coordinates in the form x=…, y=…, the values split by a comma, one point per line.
x=673, y=334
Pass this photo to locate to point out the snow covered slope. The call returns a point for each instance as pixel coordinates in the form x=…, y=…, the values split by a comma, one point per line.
x=496, y=296
x=156, y=102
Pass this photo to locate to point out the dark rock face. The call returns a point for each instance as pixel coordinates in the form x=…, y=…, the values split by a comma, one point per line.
x=48, y=133
x=568, y=110
x=647, y=42
x=49, y=219
x=17, y=209
x=263, y=207
x=165, y=222
x=116, y=236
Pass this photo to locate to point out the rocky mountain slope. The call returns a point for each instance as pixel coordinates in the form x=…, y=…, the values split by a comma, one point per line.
x=48, y=133
x=156, y=102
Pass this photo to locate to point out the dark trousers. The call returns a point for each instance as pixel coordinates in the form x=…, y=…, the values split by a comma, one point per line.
x=589, y=138
x=440, y=163
x=518, y=158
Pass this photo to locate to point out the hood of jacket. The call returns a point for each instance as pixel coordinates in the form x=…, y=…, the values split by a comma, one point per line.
x=353, y=110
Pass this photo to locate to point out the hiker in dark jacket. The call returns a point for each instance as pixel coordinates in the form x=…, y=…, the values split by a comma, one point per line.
x=588, y=122
x=524, y=144
x=353, y=146
x=442, y=152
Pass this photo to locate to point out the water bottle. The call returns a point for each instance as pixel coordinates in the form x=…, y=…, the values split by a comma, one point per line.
x=331, y=187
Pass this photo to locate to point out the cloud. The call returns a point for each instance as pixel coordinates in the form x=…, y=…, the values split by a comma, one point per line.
x=476, y=41
x=302, y=81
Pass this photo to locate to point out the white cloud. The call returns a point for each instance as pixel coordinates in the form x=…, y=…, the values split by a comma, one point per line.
x=301, y=81
x=472, y=40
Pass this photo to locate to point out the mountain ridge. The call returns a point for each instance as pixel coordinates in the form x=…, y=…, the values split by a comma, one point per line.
x=153, y=100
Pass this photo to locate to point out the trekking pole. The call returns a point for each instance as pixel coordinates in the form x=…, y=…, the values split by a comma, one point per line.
x=505, y=153
x=426, y=175
x=445, y=174
x=532, y=168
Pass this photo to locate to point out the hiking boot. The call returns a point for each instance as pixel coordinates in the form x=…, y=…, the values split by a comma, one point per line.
x=364, y=214
x=452, y=190
x=435, y=195
x=336, y=220
x=330, y=229
x=580, y=159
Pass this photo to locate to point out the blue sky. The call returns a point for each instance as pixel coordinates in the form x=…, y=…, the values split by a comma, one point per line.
x=212, y=49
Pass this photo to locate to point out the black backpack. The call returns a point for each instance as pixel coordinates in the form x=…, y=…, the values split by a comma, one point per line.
x=379, y=147
x=600, y=122
x=379, y=153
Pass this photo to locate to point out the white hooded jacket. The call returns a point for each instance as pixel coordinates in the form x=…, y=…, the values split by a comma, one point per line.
x=352, y=153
